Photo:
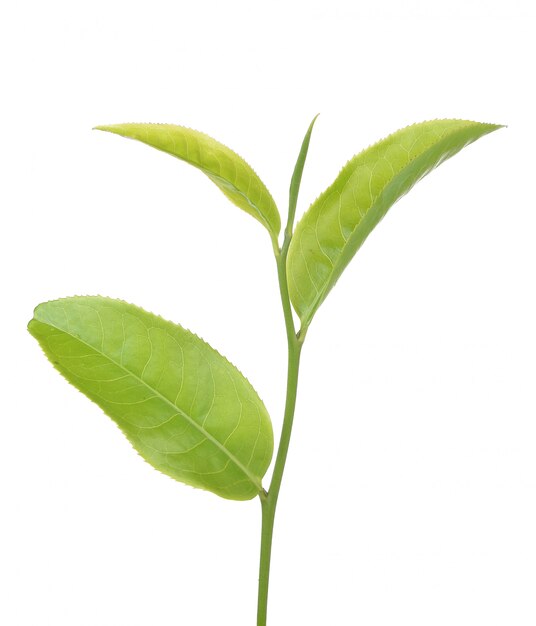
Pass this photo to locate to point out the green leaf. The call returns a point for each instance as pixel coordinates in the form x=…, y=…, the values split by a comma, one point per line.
x=338, y=222
x=185, y=408
x=225, y=168
x=297, y=176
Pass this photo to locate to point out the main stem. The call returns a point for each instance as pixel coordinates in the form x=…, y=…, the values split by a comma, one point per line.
x=295, y=342
x=269, y=498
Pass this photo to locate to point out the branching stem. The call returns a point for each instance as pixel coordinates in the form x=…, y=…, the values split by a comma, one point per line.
x=295, y=342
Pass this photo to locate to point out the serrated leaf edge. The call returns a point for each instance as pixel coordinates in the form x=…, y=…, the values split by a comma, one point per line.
x=309, y=312
x=262, y=219
x=247, y=473
x=371, y=145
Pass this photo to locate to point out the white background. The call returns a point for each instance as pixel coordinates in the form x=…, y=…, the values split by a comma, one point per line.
x=410, y=491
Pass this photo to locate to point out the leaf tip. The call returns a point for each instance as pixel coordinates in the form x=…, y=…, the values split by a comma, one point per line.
x=495, y=126
x=311, y=125
x=108, y=128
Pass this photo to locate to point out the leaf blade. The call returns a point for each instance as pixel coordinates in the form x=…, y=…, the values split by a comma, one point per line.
x=338, y=222
x=295, y=181
x=227, y=170
x=173, y=396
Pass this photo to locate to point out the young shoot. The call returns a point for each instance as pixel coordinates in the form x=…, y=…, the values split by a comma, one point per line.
x=184, y=407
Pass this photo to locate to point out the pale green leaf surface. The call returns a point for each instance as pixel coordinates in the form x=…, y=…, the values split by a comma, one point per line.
x=186, y=410
x=338, y=222
x=236, y=179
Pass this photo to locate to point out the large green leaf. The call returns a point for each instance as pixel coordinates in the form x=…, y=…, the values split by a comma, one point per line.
x=225, y=168
x=338, y=222
x=184, y=407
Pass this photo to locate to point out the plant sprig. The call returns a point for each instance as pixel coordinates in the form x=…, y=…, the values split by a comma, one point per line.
x=186, y=410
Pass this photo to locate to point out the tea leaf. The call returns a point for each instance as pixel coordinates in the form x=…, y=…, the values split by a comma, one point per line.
x=186, y=410
x=225, y=168
x=297, y=176
x=338, y=222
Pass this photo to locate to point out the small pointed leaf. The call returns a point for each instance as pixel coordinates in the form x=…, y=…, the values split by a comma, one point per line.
x=186, y=410
x=295, y=181
x=225, y=168
x=338, y=222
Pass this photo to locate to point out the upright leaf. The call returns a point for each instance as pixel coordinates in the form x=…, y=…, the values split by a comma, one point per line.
x=295, y=181
x=184, y=407
x=338, y=222
x=225, y=168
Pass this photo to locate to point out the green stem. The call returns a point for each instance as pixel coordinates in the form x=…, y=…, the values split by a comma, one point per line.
x=269, y=499
x=295, y=342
